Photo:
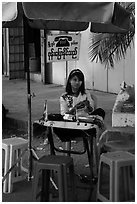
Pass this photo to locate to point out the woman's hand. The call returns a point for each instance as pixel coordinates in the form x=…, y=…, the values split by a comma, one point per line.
x=83, y=104
x=80, y=105
x=72, y=111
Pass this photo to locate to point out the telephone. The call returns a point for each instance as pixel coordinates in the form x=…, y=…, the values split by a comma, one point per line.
x=63, y=41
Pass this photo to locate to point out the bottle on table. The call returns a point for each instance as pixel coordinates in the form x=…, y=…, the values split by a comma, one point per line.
x=45, y=113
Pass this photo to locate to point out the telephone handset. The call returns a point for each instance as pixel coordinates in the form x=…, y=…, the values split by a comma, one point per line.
x=63, y=41
x=69, y=38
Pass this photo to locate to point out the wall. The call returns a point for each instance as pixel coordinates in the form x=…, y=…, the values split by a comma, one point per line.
x=95, y=73
x=59, y=71
x=13, y=52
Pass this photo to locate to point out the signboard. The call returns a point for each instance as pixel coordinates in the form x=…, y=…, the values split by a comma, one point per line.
x=63, y=47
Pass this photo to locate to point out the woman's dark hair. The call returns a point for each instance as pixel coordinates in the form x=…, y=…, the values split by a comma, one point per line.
x=80, y=75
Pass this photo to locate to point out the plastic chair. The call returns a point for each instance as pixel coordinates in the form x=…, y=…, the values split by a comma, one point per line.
x=48, y=164
x=114, y=177
x=13, y=148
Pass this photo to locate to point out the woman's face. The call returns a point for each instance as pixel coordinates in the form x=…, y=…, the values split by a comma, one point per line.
x=75, y=83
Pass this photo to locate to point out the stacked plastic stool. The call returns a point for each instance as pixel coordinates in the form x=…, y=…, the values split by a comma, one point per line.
x=48, y=165
x=13, y=148
x=115, y=177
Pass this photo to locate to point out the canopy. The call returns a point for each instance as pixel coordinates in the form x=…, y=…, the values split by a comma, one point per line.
x=68, y=16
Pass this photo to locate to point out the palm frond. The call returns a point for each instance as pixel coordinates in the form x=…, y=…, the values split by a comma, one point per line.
x=108, y=48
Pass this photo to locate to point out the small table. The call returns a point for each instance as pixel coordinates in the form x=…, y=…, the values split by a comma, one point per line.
x=67, y=124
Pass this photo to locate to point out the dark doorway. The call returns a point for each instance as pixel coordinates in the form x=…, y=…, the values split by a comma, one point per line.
x=32, y=48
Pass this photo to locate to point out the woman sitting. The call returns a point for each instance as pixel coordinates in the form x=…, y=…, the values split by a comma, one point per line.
x=76, y=99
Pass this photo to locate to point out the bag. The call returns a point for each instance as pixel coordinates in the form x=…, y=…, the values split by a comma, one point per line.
x=125, y=100
x=55, y=117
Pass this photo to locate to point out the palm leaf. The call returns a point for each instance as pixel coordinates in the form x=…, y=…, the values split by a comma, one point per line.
x=108, y=48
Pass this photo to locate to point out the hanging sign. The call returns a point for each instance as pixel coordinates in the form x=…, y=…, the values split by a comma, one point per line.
x=63, y=47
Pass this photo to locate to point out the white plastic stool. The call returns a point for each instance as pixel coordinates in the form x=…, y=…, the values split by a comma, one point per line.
x=13, y=148
x=115, y=169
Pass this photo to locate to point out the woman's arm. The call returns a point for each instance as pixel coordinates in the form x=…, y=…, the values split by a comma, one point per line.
x=63, y=106
x=92, y=100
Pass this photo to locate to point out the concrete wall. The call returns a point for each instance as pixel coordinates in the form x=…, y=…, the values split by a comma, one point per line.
x=96, y=76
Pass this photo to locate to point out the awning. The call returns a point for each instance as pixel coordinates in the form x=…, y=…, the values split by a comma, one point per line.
x=58, y=25
x=71, y=16
x=69, y=11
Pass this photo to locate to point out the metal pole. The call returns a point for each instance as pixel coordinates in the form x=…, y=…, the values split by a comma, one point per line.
x=29, y=127
x=66, y=66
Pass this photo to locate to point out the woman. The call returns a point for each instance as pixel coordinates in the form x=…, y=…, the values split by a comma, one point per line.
x=77, y=100
x=80, y=102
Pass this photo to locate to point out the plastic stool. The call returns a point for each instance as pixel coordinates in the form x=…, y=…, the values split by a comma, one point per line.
x=114, y=170
x=13, y=148
x=47, y=164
